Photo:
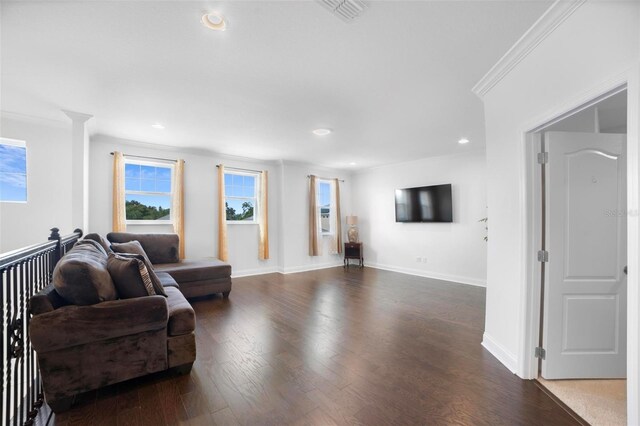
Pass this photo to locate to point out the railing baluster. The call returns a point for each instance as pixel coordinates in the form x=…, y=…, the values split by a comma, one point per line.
x=23, y=273
x=14, y=316
x=29, y=366
x=2, y=340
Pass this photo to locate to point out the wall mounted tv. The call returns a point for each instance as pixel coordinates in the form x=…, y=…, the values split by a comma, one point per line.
x=424, y=204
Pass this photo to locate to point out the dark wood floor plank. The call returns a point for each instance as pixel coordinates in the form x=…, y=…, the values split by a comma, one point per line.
x=334, y=346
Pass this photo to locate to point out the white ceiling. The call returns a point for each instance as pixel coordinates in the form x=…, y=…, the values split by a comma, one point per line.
x=394, y=85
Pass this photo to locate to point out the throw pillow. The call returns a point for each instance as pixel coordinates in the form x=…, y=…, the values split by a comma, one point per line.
x=131, y=247
x=155, y=280
x=130, y=276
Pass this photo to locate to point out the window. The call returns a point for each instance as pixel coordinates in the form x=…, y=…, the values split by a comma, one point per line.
x=13, y=171
x=324, y=206
x=148, y=192
x=240, y=190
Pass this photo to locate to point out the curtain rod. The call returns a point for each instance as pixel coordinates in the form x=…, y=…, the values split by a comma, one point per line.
x=325, y=178
x=147, y=158
x=239, y=169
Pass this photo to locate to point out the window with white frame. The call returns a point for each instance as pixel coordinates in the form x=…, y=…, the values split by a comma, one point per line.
x=13, y=171
x=240, y=196
x=324, y=206
x=148, y=192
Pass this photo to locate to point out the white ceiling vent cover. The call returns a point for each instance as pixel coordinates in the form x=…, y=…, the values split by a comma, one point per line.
x=347, y=10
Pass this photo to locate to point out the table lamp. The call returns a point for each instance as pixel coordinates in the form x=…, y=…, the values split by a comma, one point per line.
x=352, y=233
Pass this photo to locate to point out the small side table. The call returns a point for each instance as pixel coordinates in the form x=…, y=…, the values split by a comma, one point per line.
x=353, y=251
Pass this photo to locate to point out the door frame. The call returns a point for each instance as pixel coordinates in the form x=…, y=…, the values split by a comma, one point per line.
x=530, y=203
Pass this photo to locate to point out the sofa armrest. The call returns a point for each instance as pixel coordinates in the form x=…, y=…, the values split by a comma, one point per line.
x=76, y=325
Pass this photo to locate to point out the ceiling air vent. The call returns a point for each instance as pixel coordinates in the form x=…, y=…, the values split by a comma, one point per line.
x=347, y=10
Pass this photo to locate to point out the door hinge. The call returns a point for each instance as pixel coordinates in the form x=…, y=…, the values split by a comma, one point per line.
x=543, y=157
x=540, y=353
x=543, y=256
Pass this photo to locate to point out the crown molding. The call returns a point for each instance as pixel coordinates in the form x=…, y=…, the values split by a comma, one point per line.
x=203, y=152
x=557, y=13
x=62, y=122
x=466, y=153
x=77, y=116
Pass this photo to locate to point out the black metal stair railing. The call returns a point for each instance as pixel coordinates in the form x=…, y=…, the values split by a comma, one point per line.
x=24, y=272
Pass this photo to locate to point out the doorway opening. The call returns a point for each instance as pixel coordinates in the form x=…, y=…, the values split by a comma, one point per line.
x=579, y=189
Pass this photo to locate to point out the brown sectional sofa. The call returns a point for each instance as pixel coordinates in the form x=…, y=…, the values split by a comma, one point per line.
x=105, y=340
x=200, y=277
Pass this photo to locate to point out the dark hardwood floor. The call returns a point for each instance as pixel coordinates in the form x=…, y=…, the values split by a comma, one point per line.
x=335, y=346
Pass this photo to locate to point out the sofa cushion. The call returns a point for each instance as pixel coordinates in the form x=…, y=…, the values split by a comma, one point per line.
x=182, y=318
x=167, y=280
x=160, y=248
x=130, y=276
x=196, y=270
x=100, y=240
x=46, y=300
x=93, y=243
x=81, y=276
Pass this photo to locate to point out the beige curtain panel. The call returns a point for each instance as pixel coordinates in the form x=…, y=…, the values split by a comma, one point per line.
x=177, y=204
x=336, y=218
x=119, y=215
x=223, y=251
x=263, y=216
x=314, y=231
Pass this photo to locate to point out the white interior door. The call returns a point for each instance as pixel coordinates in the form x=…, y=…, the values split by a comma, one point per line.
x=585, y=306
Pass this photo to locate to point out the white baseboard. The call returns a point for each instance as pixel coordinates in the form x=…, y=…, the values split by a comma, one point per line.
x=428, y=274
x=257, y=271
x=313, y=267
x=508, y=359
x=289, y=270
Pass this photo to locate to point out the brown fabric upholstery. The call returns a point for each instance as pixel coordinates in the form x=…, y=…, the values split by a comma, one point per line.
x=133, y=247
x=46, y=300
x=167, y=280
x=195, y=277
x=160, y=248
x=196, y=270
x=81, y=368
x=181, y=349
x=95, y=244
x=128, y=276
x=206, y=287
x=182, y=318
x=100, y=240
x=81, y=276
x=75, y=325
x=81, y=348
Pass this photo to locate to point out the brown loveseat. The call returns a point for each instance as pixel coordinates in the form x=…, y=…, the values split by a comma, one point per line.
x=200, y=277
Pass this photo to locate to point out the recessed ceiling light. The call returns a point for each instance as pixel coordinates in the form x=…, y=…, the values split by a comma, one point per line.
x=321, y=132
x=157, y=126
x=463, y=141
x=352, y=163
x=214, y=21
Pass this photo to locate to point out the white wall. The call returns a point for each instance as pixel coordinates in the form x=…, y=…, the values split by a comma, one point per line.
x=48, y=182
x=597, y=43
x=454, y=251
x=288, y=200
x=295, y=217
x=201, y=206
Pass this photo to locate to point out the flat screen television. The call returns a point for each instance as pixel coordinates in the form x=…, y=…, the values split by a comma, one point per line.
x=424, y=204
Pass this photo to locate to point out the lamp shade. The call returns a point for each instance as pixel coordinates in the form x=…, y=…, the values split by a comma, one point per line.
x=352, y=220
